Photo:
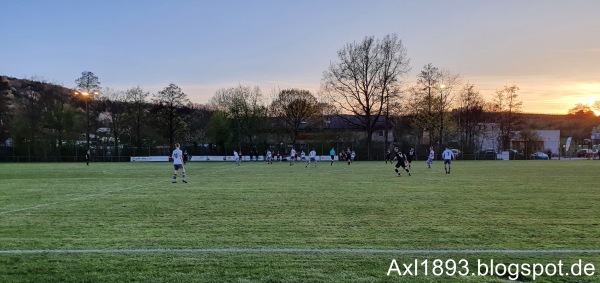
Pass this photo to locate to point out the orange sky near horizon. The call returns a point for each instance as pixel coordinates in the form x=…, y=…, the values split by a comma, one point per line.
x=551, y=98
x=537, y=97
x=549, y=49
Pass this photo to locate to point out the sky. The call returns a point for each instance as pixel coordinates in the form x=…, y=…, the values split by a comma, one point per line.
x=550, y=49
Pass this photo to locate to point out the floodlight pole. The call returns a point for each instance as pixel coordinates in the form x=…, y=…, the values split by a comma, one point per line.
x=87, y=96
x=442, y=86
x=87, y=128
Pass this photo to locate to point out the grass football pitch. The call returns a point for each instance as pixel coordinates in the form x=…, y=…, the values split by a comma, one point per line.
x=126, y=222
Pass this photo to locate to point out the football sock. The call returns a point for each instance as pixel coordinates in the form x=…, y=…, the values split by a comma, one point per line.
x=183, y=176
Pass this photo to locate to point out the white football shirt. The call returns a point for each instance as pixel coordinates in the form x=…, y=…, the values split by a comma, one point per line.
x=177, y=157
x=447, y=154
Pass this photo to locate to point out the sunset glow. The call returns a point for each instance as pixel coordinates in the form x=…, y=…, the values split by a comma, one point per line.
x=551, y=61
x=593, y=91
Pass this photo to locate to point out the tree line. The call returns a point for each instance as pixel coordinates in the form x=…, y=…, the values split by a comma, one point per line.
x=366, y=81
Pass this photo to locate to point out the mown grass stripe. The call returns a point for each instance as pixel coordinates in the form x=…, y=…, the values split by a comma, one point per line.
x=83, y=197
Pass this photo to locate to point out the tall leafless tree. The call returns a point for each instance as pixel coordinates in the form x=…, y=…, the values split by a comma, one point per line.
x=88, y=82
x=431, y=99
x=89, y=86
x=422, y=103
x=449, y=83
x=469, y=116
x=363, y=74
x=506, y=103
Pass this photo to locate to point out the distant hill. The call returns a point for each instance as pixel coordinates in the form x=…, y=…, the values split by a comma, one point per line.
x=18, y=87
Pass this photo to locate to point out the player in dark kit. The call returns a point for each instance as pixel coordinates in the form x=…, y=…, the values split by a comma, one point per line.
x=88, y=156
x=349, y=156
x=410, y=157
x=401, y=158
x=388, y=156
x=185, y=157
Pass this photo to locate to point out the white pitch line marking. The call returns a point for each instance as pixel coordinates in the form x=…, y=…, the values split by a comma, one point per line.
x=292, y=250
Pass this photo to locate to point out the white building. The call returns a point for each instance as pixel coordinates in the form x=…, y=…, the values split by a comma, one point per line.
x=551, y=139
x=548, y=139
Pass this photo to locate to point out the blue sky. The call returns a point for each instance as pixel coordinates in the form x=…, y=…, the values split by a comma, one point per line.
x=550, y=49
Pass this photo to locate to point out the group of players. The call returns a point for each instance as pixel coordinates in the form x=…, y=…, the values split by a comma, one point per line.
x=312, y=156
x=403, y=161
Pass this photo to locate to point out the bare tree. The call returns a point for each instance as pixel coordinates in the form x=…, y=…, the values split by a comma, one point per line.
x=362, y=77
x=88, y=82
x=394, y=109
x=431, y=98
x=297, y=110
x=89, y=87
x=506, y=103
x=417, y=113
x=470, y=114
x=422, y=103
x=449, y=82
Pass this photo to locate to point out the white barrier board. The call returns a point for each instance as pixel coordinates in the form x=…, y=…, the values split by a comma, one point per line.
x=148, y=158
x=210, y=158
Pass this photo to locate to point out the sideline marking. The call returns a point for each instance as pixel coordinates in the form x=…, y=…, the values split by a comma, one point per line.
x=291, y=250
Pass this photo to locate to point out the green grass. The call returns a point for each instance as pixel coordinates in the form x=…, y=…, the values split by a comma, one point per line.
x=488, y=205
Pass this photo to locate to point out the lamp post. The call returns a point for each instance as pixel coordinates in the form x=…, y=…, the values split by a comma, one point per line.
x=387, y=120
x=87, y=96
x=429, y=102
x=442, y=86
